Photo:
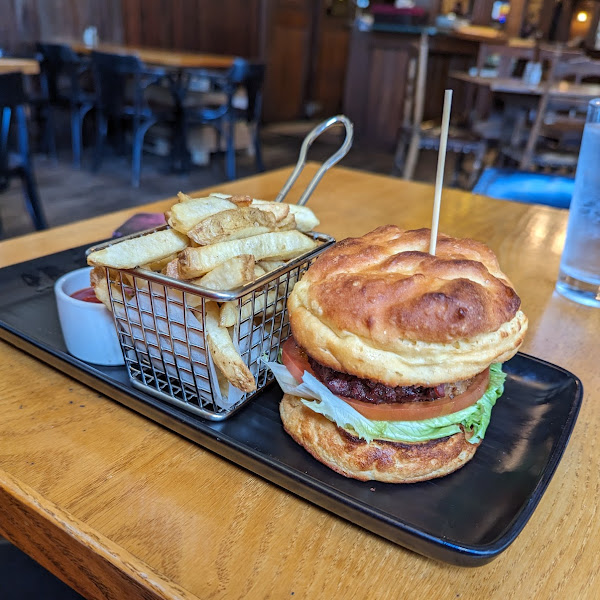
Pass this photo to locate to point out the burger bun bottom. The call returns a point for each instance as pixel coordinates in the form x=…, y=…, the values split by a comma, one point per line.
x=379, y=460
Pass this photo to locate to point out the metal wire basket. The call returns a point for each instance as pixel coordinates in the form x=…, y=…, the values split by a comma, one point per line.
x=160, y=321
x=160, y=324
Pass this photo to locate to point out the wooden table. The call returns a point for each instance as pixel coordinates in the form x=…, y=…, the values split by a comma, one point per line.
x=514, y=85
x=161, y=56
x=27, y=66
x=119, y=507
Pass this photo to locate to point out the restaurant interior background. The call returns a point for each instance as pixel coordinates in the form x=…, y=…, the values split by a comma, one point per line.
x=321, y=57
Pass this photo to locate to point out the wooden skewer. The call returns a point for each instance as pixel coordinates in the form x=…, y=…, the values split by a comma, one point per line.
x=439, y=176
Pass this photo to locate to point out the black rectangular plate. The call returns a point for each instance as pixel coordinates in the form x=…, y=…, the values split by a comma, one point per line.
x=466, y=518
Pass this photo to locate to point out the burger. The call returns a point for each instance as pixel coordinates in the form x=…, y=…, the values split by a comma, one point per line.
x=394, y=362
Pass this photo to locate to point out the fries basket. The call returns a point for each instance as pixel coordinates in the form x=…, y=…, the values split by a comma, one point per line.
x=166, y=326
x=160, y=323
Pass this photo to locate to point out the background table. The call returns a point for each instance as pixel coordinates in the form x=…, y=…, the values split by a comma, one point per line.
x=119, y=507
x=27, y=66
x=515, y=85
x=161, y=57
x=178, y=64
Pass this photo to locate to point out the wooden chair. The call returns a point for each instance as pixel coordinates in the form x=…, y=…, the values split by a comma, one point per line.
x=417, y=134
x=220, y=107
x=556, y=132
x=483, y=115
x=112, y=75
x=506, y=58
x=19, y=163
x=62, y=71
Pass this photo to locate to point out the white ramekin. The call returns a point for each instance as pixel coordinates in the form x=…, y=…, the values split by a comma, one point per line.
x=87, y=327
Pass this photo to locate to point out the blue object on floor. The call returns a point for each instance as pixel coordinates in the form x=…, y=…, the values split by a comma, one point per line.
x=524, y=186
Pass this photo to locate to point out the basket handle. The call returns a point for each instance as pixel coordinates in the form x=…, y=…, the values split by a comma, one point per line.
x=332, y=160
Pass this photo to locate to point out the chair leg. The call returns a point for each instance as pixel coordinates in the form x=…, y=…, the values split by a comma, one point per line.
x=136, y=164
x=49, y=134
x=260, y=166
x=120, y=133
x=477, y=166
x=76, y=136
x=400, y=155
x=32, y=199
x=411, y=159
x=459, y=159
x=139, y=132
x=230, y=151
x=101, y=129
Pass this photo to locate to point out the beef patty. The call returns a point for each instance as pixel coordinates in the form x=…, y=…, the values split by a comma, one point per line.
x=375, y=392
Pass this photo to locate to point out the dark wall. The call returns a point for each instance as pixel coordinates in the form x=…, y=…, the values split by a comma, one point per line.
x=305, y=48
x=219, y=26
x=27, y=21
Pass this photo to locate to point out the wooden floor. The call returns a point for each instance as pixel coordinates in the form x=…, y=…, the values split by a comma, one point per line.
x=70, y=194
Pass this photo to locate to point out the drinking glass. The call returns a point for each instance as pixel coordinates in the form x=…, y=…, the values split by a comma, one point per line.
x=579, y=275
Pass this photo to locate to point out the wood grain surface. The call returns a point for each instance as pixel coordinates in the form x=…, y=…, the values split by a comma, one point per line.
x=162, y=57
x=514, y=85
x=27, y=66
x=119, y=507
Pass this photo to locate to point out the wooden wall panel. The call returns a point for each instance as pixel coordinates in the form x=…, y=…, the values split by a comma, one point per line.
x=376, y=81
x=331, y=61
x=24, y=22
x=219, y=26
x=289, y=58
x=387, y=66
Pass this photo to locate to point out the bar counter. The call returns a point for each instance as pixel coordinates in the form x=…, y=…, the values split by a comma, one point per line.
x=119, y=507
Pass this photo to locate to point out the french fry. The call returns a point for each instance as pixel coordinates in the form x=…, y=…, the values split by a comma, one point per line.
x=271, y=265
x=159, y=266
x=223, y=352
x=229, y=310
x=305, y=218
x=220, y=195
x=185, y=215
x=100, y=286
x=237, y=224
x=283, y=245
x=231, y=274
x=132, y=253
x=171, y=270
x=241, y=201
x=279, y=209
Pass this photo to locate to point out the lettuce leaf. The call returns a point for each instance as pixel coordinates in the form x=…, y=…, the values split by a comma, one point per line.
x=318, y=398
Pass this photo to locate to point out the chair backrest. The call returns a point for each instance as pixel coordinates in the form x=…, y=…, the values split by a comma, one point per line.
x=251, y=76
x=562, y=118
x=415, y=82
x=59, y=60
x=505, y=58
x=111, y=74
x=579, y=70
x=552, y=55
x=12, y=91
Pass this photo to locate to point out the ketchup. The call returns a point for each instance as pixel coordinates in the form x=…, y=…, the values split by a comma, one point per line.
x=86, y=295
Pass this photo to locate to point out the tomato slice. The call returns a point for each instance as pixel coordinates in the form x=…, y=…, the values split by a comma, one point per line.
x=297, y=363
